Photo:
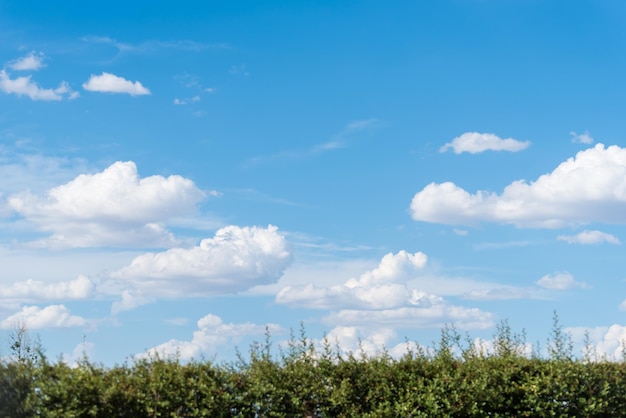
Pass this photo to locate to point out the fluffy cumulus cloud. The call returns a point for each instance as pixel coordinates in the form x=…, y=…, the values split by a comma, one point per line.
x=591, y=187
x=475, y=142
x=559, y=281
x=113, y=207
x=380, y=288
x=590, y=237
x=34, y=317
x=383, y=297
x=110, y=83
x=212, y=333
x=34, y=290
x=235, y=259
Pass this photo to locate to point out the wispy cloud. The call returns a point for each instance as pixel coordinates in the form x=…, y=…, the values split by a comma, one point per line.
x=239, y=70
x=559, y=281
x=338, y=141
x=30, y=62
x=154, y=45
x=256, y=195
x=500, y=245
x=590, y=237
x=182, y=102
x=583, y=138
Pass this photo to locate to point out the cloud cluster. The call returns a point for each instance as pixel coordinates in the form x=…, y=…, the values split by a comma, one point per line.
x=475, y=142
x=382, y=297
x=111, y=83
x=113, y=207
x=211, y=334
x=25, y=86
x=591, y=187
x=235, y=259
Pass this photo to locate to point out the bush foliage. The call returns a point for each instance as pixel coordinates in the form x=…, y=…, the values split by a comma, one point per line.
x=454, y=378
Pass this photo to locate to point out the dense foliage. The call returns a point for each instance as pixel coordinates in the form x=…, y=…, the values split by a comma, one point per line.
x=454, y=378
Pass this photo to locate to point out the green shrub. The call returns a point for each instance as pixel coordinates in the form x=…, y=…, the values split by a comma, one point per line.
x=303, y=380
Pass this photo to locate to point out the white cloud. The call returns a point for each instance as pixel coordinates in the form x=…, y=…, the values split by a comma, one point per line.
x=588, y=188
x=501, y=293
x=606, y=343
x=177, y=322
x=181, y=102
x=475, y=142
x=130, y=300
x=488, y=347
x=153, y=45
x=384, y=296
x=430, y=315
x=559, y=281
x=24, y=86
x=236, y=259
x=583, y=138
x=34, y=317
x=80, y=288
x=110, y=83
x=113, y=207
x=380, y=288
x=622, y=306
x=84, y=351
x=356, y=340
x=322, y=273
x=212, y=333
x=30, y=62
x=590, y=237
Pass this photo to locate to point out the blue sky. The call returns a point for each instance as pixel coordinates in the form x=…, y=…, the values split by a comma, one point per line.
x=178, y=176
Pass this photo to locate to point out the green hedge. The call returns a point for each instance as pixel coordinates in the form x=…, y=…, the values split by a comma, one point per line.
x=452, y=379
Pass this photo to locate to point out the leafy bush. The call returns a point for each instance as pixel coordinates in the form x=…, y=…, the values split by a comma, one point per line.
x=304, y=380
